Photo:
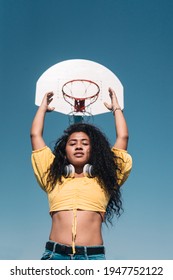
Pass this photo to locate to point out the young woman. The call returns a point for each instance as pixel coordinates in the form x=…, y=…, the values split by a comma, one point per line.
x=82, y=178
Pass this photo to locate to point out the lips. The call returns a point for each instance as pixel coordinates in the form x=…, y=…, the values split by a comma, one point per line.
x=78, y=154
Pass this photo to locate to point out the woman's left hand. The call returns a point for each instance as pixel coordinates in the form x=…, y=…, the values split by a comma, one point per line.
x=114, y=101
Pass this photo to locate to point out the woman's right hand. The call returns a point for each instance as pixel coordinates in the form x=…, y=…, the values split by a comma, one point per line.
x=47, y=99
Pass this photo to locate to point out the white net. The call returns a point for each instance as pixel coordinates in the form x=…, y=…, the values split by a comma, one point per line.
x=80, y=94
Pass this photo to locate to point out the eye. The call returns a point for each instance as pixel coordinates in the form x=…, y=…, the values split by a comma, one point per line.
x=72, y=143
x=85, y=143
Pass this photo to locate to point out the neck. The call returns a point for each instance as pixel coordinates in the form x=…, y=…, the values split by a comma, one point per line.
x=79, y=172
x=78, y=175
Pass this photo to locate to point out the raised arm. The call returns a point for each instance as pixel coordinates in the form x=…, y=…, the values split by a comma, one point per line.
x=37, y=127
x=120, y=122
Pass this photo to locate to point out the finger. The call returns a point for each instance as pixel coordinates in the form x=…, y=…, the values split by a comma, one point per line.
x=50, y=100
x=112, y=92
x=49, y=97
x=50, y=109
x=50, y=93
x=108, y=106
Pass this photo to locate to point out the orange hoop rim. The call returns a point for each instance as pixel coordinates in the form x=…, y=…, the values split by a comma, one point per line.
x=81, y=98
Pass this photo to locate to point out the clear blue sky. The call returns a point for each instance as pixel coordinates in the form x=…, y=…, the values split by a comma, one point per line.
x=133, y=38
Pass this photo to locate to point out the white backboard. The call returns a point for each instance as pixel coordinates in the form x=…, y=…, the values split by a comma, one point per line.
x=56, y=76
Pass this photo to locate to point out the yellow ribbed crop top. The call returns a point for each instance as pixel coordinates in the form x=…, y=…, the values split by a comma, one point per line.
x=77, y=193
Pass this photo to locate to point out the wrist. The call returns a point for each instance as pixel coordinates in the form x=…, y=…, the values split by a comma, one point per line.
x=114, y=109
x=42, y=109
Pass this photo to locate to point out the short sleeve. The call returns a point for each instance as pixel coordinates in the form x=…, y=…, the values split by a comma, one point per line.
x=124, y=164
x=41, y=160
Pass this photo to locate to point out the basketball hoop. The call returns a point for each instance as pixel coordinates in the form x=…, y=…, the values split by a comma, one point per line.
x=80, y=87
x=80, y=94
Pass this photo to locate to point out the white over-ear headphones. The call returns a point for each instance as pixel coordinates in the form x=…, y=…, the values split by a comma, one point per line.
x=69, y=171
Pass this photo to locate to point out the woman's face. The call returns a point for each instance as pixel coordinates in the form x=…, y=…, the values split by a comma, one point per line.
x=78, y=149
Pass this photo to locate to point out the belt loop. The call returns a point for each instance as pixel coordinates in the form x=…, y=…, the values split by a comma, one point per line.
x=54, y=247
x=85, y=252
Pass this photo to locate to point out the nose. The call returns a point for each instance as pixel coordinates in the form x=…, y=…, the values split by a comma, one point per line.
x=78, y=146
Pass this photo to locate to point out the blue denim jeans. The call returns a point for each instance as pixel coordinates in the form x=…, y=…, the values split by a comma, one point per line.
x=50, y=255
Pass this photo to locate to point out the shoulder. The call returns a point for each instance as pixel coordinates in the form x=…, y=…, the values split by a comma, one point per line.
x=41, y=160
x=122, y=155
x=123, y=161
x=42, y=157
x=43, y=151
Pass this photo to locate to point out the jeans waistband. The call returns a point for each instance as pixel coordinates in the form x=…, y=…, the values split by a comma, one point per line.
x=79, y=250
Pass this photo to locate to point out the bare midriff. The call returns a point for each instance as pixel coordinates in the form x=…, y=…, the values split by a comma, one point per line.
x=87, y=228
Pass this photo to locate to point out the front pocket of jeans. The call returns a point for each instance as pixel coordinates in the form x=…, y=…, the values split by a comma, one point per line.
x=47, y=255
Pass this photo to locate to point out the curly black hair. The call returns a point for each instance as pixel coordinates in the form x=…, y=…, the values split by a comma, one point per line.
x=102, y=159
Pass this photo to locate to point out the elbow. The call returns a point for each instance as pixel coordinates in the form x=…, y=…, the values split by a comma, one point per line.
x=124, y=137
x=32, y=134
x=33, y=137
x=125, y=140
x=35, y=133
x=122, y=142
x=37, y=141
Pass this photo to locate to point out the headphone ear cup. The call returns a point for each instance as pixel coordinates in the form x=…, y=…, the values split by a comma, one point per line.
x=69, y=171
x=88, y=170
